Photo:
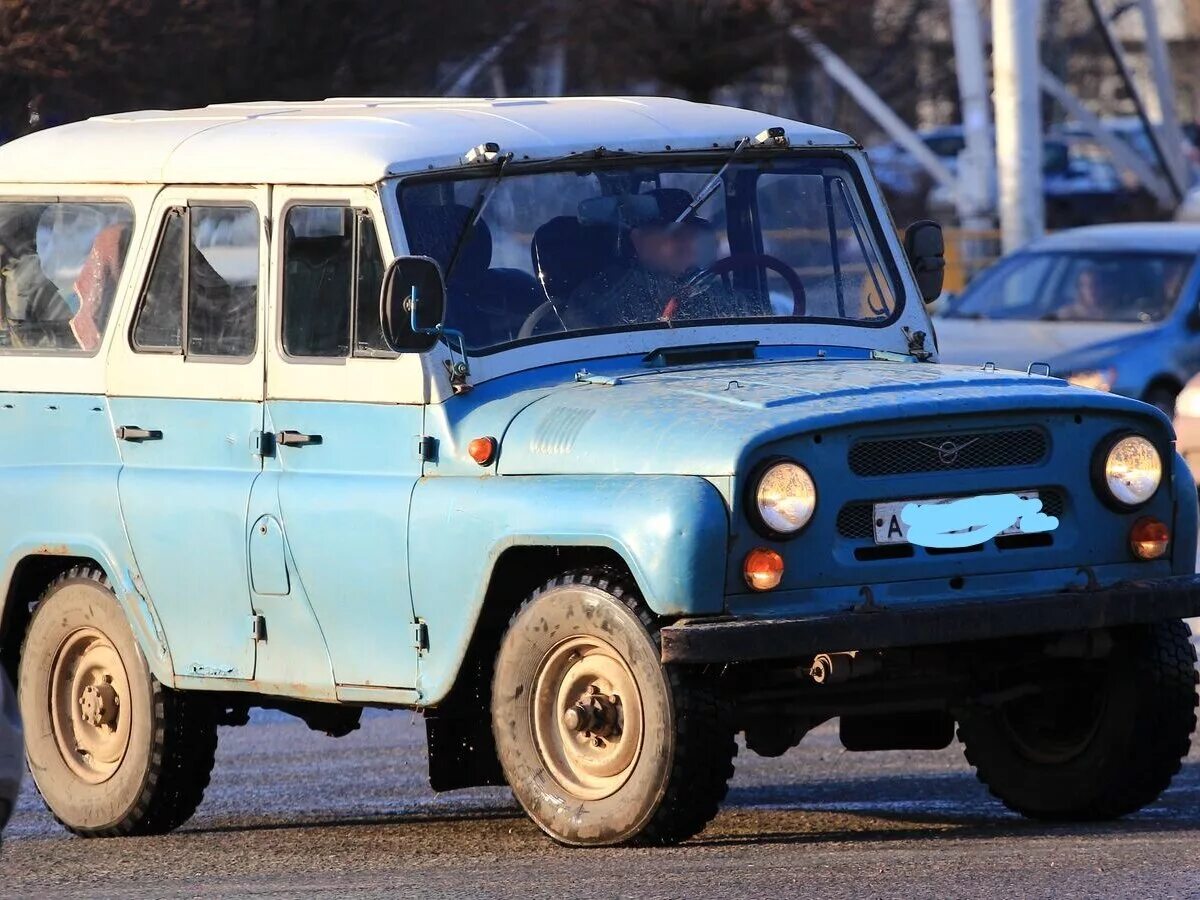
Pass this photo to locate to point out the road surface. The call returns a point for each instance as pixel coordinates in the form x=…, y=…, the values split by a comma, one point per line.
x=291, y=812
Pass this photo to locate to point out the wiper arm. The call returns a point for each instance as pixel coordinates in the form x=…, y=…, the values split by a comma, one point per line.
x=711, y=185
x=481, y=203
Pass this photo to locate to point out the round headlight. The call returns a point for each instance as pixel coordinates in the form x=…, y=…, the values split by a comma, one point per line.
x=785, y=497
x=1132, y=470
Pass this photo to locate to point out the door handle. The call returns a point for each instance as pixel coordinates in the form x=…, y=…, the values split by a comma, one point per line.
x=136, y=435
x=297, y=439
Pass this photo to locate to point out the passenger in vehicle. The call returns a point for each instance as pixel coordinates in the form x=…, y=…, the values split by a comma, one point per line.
x=33, y=313
x=1093, y=300
x=659, y=282
x=96, y=286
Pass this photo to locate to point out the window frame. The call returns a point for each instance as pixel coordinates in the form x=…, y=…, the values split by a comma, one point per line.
x=148, y=274
x=127, y=265
x=359, y=210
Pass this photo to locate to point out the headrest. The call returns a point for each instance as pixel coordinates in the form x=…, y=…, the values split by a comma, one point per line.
x=434, y=231
x=566, y=252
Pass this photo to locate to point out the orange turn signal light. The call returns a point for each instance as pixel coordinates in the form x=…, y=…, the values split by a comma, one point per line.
x=482, y=450
x=1149, y=538
x=763, y=569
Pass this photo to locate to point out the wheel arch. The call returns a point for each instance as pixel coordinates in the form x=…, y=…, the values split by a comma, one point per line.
x=33, y=565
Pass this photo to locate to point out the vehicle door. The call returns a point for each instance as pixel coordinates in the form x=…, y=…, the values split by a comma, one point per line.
x=186, y=388
x=346, y=414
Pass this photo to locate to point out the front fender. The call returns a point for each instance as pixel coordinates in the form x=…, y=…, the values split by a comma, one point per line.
x=672, y=532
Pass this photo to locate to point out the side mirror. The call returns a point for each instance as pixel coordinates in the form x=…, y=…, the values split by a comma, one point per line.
x=412, y=302
x=926, y=251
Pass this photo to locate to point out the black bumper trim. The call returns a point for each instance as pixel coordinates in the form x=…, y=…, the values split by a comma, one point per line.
x=744, y=640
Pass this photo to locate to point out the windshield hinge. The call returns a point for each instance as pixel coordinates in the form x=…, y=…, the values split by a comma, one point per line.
x=916, y=344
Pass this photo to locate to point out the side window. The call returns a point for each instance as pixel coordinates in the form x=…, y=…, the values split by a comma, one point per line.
x=159, y=323
x=60, y=264
x=201, y=297
x=333, y=270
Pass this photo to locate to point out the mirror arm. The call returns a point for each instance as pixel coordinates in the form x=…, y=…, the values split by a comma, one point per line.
x=459, y=369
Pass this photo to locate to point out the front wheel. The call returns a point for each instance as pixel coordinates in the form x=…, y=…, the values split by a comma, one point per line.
x=1101, y=738
x=111, y=750
x=600, y=743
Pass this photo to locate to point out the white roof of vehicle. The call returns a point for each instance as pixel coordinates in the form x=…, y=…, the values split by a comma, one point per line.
x=362, y=140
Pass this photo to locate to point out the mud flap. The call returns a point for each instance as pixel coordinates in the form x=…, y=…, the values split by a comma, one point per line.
x=462, y=752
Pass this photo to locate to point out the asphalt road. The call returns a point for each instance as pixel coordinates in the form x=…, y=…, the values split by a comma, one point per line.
x=294, y=813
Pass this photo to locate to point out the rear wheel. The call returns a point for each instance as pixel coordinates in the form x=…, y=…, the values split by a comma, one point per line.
x=111, y=750
x=1101, y=739
x=600, y=743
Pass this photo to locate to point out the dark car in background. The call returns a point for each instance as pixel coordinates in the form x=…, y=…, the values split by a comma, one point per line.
x=1111, y=307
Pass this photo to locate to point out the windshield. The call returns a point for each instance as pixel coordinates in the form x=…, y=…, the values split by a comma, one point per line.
x=626, y=246
x=1077, y=287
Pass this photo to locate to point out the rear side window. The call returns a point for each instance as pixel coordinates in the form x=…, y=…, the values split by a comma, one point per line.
x=333, y=271
x=60, y=264
x=201, y=298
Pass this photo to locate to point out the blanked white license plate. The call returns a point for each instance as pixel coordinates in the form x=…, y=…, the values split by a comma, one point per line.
x=889, y=529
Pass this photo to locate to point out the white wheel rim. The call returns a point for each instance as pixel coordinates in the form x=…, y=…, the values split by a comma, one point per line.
x=587, y=717
x=90, y=707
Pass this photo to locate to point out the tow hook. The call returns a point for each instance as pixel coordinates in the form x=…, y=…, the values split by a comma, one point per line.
x=835, y=668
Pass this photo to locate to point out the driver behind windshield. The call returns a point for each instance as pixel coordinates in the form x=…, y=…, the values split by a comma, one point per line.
x=663, y=278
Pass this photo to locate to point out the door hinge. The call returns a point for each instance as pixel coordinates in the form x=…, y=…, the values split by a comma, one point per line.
x=262, y=443
x=258, y=628
x=427, y=448
x=421, y=636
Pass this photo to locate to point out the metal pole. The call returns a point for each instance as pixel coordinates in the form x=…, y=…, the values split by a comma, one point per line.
x=977, y=163
x=1017, y=97
x=874, y=106
x=1160, y=67
x=1114, y=49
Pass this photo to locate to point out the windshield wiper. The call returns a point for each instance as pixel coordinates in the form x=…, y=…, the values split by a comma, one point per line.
x=481, y=202
x=710, y=186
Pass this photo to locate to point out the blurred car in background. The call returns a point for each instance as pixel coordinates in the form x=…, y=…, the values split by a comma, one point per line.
x=12, y=750
x=1110, y=307
x=1080, y=183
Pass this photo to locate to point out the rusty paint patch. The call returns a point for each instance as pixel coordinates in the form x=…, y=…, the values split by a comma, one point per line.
x=52, y=550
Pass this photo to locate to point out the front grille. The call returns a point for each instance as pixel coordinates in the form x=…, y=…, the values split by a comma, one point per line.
x=943, y=453
x=854, y=519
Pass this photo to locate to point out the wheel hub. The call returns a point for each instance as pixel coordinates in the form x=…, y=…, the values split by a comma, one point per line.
x=98, y=704
x=587, y=717
x=595, y=714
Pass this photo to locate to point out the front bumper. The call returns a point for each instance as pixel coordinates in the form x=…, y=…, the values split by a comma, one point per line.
x=871, y=627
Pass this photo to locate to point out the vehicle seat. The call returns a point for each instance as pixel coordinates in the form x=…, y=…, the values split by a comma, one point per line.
x=566, y=253
x=487, y=304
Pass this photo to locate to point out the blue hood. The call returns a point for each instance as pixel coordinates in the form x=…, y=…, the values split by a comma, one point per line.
x=704, y=420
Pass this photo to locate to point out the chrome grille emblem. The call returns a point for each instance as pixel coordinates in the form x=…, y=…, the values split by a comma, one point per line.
x=948, y=451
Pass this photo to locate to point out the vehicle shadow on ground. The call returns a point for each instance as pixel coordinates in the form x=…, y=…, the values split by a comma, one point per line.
x=459, y=815
x=948, y=806
x=901, y=807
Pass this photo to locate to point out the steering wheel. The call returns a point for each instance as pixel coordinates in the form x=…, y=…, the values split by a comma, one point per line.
x=745, y=261
x=534, y=319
